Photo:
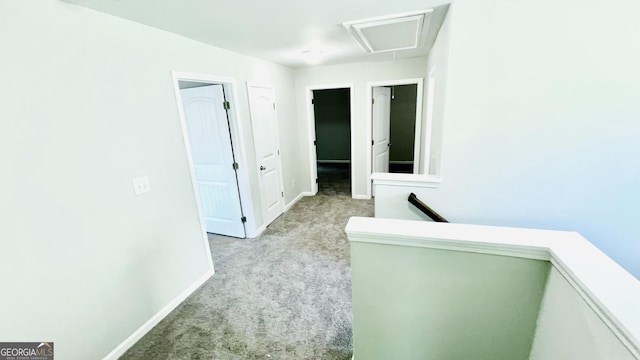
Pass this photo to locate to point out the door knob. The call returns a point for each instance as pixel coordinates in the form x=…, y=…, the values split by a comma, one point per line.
x=389, y=145
x=262, y=168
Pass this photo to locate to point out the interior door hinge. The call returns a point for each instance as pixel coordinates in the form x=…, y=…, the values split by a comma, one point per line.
x=373, y=101
x=312, y=101
x=282, y=193
x=316, y=180
x=236, y=166
x=226, y=105
x=243, y=219
x=372, y=143
x=315, y=143
x=274, y=106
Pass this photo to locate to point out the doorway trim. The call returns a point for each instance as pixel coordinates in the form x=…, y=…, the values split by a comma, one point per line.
x=419, y=82
x=238, y=146
x=431, y=95
x=311, y=124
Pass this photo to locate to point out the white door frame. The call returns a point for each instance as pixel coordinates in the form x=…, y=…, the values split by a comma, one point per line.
x=431, y=95
x=238, y=145
x=311, y=124
x=419, y=82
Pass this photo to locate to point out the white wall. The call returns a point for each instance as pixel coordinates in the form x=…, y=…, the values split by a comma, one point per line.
x=568, y=329
x=541, y=119
x=438, y=62
x=412, y=275
x=392, y=193
x=359, y=74
x=419, y=303
x=87, y=104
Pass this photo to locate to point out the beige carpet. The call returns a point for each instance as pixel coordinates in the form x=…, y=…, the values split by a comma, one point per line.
x=285, y=295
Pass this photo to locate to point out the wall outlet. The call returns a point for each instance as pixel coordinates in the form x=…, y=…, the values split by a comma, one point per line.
x=141, y=185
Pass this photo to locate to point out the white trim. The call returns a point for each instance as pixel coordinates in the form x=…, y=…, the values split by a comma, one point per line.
x=411, y=180
x=176, y=77
x=155, y=319
x=607, y=288
x=259, y=84
x=352, y=101
x=605, y=314
x=238, y=144
x=287, y=208
x=258, y=232
x=294, y=201
x=334, y=161
x=387, y=17
x=419, y=82
x=241, y=155
x=423, y=17
x=361, y=197
x=428, y=131
x=312, y=130
x=311, y=136
x=418, y=130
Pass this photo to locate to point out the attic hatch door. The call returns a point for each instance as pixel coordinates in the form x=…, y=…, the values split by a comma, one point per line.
x=212, y=156
x=392, y=32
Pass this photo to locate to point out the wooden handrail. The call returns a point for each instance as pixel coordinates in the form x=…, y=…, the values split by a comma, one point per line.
x=413, y=199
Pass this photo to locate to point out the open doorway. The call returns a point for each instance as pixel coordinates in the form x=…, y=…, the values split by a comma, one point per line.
x=395, y=111
x=332, y=114
x=207, y=111
x=402, y=128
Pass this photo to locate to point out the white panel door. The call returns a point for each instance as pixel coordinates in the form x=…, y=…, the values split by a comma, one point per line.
x=381, y=118
x=212, y=157
x=267, y=146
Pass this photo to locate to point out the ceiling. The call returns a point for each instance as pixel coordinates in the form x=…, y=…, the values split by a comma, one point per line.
x=285, y=32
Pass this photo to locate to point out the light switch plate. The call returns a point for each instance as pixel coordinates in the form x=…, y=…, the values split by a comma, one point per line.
x=141, y=185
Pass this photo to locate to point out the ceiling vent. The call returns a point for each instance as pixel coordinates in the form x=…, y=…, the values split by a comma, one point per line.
x=391, y=33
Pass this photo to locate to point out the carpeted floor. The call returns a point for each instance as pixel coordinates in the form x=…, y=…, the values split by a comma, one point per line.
x=334, y=179
x=284, y=295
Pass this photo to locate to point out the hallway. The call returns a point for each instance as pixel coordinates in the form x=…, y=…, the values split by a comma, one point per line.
x=284, y=295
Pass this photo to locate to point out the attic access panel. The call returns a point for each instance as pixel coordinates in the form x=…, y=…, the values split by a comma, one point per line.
x=391, y=33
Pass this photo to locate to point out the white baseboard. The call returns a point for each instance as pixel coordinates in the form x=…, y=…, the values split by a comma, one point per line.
x=155, y=319
x=294, y=201
x=288, y=206
x=334, y=161
x=361, y=197
x=257, y=233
